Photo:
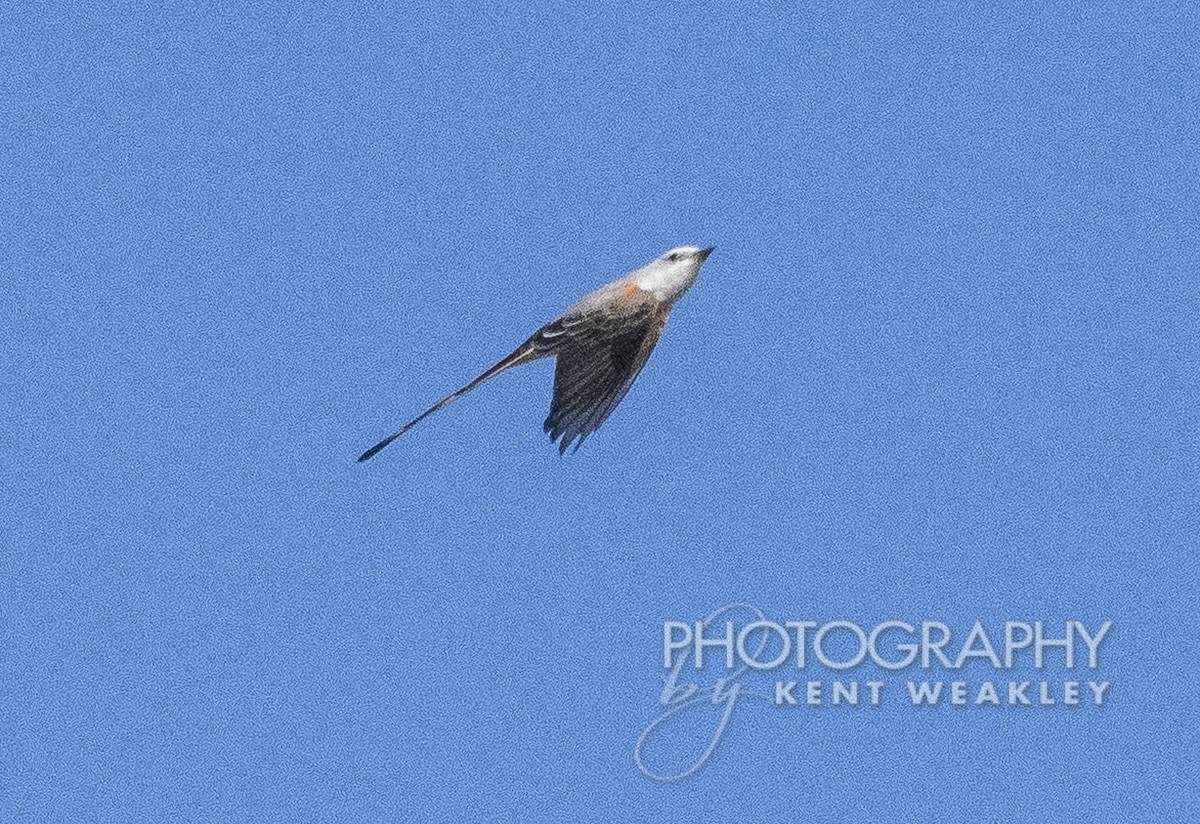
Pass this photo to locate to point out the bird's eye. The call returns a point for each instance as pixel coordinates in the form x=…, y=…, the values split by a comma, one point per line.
x=674, y=256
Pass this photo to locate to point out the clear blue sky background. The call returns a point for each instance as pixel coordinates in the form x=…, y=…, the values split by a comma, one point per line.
x=942, y=366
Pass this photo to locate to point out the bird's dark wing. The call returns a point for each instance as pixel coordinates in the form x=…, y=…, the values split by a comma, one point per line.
x=600, y=355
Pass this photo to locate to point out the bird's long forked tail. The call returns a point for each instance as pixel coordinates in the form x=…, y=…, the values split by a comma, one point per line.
x=523, y=354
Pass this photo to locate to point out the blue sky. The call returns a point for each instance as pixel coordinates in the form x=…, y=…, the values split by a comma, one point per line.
x=941, y=367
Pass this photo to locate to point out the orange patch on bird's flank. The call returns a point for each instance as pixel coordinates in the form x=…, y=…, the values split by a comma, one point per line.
x=630, y=290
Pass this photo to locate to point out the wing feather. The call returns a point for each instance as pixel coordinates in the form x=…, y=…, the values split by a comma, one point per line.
x=598, y=363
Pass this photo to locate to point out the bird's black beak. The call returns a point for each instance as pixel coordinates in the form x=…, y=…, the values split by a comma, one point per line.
x=704, y=253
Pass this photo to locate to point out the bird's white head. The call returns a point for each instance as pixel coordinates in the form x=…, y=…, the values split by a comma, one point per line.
x=672, y=273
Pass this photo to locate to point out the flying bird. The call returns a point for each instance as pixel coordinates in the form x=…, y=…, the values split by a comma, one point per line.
x=601, y=344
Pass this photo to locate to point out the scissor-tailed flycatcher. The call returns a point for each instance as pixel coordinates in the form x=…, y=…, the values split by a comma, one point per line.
x=602, y=342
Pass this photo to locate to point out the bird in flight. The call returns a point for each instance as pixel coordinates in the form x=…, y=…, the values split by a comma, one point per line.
x=601, y=344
